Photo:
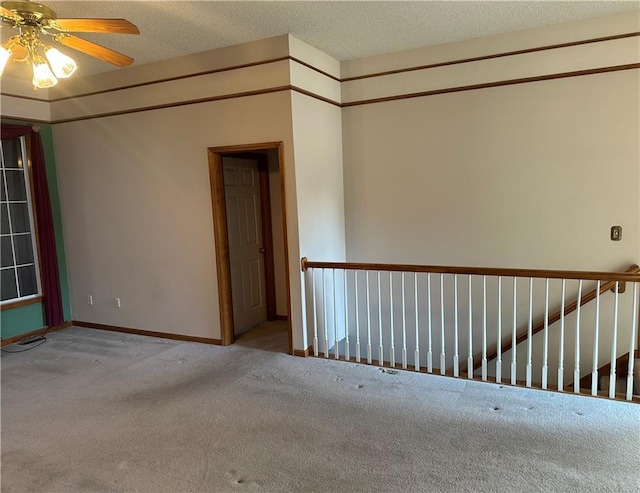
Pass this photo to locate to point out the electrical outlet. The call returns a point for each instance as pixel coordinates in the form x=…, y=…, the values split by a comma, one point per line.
x=118, y=304
x=89, y=299
x=616, y=233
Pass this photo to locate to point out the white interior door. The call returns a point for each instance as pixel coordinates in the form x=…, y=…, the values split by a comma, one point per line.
x=244, y=225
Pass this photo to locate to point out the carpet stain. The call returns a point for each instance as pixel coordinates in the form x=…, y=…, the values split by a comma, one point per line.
x=235, y=478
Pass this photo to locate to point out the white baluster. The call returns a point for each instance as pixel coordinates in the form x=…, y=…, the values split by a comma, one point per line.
x=513, y=333
x=324, y=301
x=470, y=355
x=614, y=345
x=368, y=320
x=347, y=352
x=392, y=358
x=634, y=318
x=415, y=296
x=561, y=345
x=530, y=333
x=576, y=366
x=404, y=326
x=545, y=350
x=381, y=347
x=355, y=281
x=443, y=361
x=456, y=369
x=596, y=343
x=315, y=312
x=430, y=352
x=484, y=328
x=335, y=317
x=499, y=341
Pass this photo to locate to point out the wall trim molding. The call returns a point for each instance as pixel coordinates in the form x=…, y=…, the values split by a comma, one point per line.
x=486, y=85
x=150, y=333
x=314, y=95
x=495, y=55
x=316, y=69
x=28, y=98
x=37, y=332
x=434, y=92
x=174, y=78
x=183, y=103
x=333, y=77
x=175, y=104
x=26, y=119
x=310, y=66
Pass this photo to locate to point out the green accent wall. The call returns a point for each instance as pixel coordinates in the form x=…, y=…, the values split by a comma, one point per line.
x=27, y=318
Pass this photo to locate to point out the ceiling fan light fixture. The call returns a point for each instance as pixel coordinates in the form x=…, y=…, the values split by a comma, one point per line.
x=33, y=21
x=63, y=66
x=5, y=54
x=43, y=77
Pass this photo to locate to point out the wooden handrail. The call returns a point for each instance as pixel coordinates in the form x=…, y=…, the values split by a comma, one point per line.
x=628, y=276
x=553, y=318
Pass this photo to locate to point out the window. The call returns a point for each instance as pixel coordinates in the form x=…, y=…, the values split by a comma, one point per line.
x=19, y=273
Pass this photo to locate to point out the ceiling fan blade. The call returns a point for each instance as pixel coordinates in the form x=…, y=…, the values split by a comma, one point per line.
x=116, y=26
x=94, y=50
x=9, y=14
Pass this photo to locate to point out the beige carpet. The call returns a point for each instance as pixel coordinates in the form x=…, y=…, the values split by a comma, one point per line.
x=100, y=411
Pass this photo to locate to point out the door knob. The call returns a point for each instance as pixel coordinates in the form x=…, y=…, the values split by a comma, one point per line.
x=262, y=250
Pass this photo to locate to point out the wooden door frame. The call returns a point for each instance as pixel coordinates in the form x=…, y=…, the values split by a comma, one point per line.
x=215, y=155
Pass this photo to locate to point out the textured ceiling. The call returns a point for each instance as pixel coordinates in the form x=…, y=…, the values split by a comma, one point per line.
x=343, y=29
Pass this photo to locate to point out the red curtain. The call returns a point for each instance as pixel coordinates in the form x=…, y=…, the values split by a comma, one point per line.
x=53, y=314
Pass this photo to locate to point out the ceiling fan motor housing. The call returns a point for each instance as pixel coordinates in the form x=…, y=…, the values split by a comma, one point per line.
x=32, y=13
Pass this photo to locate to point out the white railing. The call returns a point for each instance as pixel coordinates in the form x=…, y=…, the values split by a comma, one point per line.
x=539, y=327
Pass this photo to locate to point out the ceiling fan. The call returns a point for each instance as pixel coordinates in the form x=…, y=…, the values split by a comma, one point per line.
x=33, y=20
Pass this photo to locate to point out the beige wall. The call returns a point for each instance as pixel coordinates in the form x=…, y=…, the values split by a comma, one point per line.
x=319, y=180
x=530, y=175
x=136, y=204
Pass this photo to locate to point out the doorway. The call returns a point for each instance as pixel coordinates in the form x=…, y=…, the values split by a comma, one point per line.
x=249, y=217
